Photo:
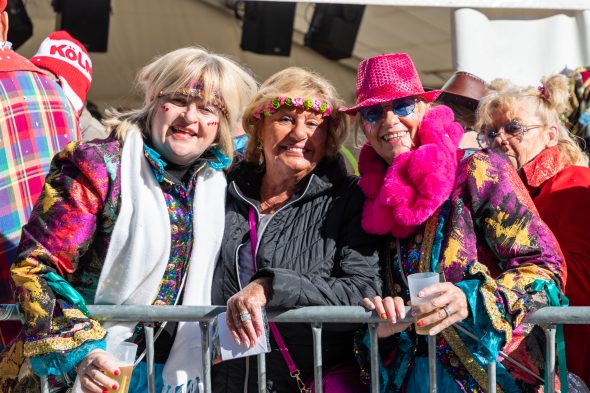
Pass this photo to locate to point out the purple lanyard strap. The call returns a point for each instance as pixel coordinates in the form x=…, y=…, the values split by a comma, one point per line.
x=273, y=327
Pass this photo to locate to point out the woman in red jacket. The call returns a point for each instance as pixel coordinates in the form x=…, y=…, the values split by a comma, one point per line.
x=526, y=124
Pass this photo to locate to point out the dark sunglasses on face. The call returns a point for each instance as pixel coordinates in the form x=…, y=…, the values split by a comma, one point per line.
x=401, y=107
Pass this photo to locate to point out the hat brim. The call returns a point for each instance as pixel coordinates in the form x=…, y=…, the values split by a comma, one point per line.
x=451, y=98
x=428, y=96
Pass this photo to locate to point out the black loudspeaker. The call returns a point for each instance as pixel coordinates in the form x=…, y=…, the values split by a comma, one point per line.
x=268, y=27
x=333, y=29
x=87, y=21
x=20, y=28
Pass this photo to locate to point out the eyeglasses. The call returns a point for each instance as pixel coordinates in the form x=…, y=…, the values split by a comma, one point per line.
x=512, y=129
x=401, y=107
x=184, y=96
x=183, y=101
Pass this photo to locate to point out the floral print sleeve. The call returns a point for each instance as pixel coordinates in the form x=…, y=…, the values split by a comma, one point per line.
x=58, y=234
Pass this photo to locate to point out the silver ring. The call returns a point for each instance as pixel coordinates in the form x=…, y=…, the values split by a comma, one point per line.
x=245, y=316
x=447, y=312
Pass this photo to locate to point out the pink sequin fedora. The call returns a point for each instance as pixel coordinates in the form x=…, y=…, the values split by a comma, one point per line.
x=387, y=77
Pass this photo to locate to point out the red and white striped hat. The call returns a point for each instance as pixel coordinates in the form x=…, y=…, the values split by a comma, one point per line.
x=68, y=59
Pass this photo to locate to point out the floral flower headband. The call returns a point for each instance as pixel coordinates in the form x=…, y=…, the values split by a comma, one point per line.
x=197, y=92
x=314, y=104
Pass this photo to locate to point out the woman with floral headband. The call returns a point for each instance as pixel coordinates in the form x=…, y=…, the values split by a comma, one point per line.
x=292, y=235
x=526, y=124
x=134, y=219
x=462, y=214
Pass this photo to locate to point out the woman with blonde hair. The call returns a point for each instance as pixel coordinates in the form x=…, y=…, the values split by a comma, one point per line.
x=526, y=124
x=292, y=235
x=134, y=219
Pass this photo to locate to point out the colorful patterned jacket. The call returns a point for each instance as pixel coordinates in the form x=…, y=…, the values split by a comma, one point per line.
x=489, y=240
x=69, y=234
x=36, y=122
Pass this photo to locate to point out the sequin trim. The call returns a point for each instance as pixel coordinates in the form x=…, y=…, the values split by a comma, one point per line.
x=475, y=369
x=427, y=243
x=487, y=289
x=46, y=346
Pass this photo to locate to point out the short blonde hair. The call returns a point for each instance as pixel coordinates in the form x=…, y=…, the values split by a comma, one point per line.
x=548, y=102
x=218, y=76
x=294, y=82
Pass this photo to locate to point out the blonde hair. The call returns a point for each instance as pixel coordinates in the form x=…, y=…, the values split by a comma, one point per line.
x=548, y=102
x=294, y=82
x=218, y=76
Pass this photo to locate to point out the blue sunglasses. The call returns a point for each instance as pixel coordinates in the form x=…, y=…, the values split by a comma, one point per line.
x=401, y=107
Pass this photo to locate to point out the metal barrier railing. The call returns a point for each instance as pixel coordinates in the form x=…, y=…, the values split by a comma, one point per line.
x=547, y=317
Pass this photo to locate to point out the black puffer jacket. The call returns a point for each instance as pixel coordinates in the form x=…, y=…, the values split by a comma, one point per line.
x=316, y=254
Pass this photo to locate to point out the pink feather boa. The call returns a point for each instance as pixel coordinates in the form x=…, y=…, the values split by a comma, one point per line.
x=406, y=194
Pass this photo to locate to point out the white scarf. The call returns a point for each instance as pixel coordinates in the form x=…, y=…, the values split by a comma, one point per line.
x=140, y=248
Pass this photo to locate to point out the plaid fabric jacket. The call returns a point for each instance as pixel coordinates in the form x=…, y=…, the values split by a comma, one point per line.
x=36, y=122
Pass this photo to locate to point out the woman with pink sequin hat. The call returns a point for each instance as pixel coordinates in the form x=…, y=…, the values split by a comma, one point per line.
x=462, y=216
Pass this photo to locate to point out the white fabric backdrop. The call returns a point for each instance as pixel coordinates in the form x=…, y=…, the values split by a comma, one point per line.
x=519, y=46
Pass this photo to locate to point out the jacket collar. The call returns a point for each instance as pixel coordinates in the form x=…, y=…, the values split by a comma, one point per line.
x=541, y=168
x=12, y=61
x=245, y=179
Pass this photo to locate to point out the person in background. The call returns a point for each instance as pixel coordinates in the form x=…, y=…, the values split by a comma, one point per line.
x=470, y=220
x=462, y=93
x=525, y=123
x=134, y=219
x=67, y=61
x=577, y=114
x=240, y=139
x=292, y=235
x=90, y=123
x=36, y=122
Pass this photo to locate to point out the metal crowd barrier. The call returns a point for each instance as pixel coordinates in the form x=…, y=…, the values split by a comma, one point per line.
x=547, y=317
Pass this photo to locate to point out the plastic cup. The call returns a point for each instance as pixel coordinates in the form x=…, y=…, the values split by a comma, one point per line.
x=124, y=353
x=417, y=282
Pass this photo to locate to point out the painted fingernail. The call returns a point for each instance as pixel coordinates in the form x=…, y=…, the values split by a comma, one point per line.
x=383, y=315
x=105, y=391
x=115, y=387
x=117, y=372
x=393, y=320
x=420, y=323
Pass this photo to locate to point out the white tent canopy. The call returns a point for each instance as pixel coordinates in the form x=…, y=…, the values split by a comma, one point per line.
x=142, y=29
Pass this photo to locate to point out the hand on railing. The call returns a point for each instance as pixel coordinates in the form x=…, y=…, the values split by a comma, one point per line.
x=390, y=308
x=244, y=317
